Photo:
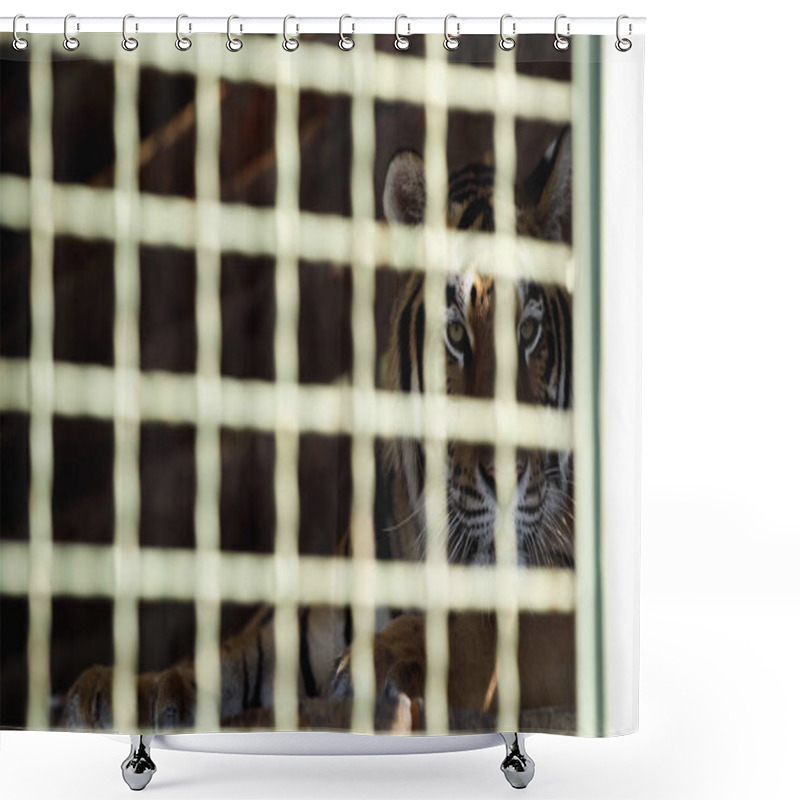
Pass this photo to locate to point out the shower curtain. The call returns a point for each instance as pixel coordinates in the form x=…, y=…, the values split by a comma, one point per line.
x=319, y=396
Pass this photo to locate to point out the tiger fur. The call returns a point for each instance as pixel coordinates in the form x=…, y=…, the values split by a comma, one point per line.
x=543, y=501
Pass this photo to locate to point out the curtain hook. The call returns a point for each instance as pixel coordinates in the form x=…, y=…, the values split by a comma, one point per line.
x=561, y=42
x=129, y=43
x=182, y=42
x=18, y=43
x=401, y=42
x=233, y=44
x=506, y=42
x=451, y=42
x=623, y=45
x=290, y=44
x=70, y=42
x=346, y=42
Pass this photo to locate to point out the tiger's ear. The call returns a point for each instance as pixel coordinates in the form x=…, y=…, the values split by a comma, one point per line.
x=404, y=189
x=547, y=207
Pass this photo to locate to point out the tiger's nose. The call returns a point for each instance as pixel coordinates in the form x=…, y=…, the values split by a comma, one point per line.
x=488, y=472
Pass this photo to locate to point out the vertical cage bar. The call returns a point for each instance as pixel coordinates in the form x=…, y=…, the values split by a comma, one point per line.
x=209, y=394
x=436, y=523
x=587, y=63
x=287, y=294
x=362, y=519
x=41, y=394
x=505, y=393
x=126, y=393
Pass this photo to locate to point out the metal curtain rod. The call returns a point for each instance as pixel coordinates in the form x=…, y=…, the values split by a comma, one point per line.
x=251, y=25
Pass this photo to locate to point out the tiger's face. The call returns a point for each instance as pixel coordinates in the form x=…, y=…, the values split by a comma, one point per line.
x=542, y=502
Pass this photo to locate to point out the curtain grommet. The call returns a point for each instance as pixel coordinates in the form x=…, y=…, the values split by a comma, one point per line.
x=233, y=44
x=18, y=43
x=346, y=42
x=290, y=44
x=71, y=43
x=561, y=42
x=401, y=43
x=183, y=43
x=507, y=42
x=451, y=41
x=623, y=44
x=129, y=43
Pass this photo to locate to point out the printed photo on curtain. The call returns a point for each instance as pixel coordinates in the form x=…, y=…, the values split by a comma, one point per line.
x=310, y=382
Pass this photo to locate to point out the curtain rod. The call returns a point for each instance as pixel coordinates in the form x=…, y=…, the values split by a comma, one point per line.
x=463, y=26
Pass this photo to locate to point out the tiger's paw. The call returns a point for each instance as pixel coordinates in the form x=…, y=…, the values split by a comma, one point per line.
x=175, y=698
x=399, y=675
x=397, y=712
x=164, y=699
x=88, y=701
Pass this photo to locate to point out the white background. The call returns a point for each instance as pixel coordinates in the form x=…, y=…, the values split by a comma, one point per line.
x=720, y=611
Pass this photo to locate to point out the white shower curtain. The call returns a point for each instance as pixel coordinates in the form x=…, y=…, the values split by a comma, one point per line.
x=320, y=395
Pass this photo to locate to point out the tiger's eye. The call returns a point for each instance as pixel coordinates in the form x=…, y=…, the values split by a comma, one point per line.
x=455, y=332
x=527, y=329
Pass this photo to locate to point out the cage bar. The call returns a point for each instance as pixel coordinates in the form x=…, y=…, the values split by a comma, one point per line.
x=287, y=288
x=126, y=397
x=362, y=529
x=86, y=570
x=40, y=378
x=506, y=390
x=436, y=517
x=170, y=397
x=209, y=396
x=467, y=86
x=87, y=213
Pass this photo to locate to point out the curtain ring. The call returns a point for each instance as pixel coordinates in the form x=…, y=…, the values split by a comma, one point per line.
x=289, y=44
x=233, y=44
x=506, y=42
x=182, y=42
x=18, y=43
x=346, y=42
x=623, y=45
x=70, y=42
x=401, y=42
x=561, y=42
x=129, y=43
x=451, y=42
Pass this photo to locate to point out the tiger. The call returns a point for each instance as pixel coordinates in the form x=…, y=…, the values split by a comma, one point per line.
x=543, y=505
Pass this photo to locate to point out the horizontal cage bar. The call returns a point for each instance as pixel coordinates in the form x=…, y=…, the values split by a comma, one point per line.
x=88, y=213
x=82, y=570
x=167, y=397
x=468, y=87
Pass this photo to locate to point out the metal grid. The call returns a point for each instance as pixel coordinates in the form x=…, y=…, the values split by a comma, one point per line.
x=41, y=569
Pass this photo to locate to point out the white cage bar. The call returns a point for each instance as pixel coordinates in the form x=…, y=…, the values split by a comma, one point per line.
x=209, y=396
x=505, y=149
x=126, y=398
x=287, y=288
x=362, y=529
x=41, y=395
x=433, y=370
